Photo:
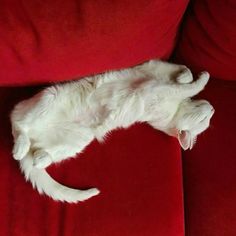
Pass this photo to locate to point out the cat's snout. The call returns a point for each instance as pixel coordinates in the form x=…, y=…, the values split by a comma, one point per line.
x=208, y=108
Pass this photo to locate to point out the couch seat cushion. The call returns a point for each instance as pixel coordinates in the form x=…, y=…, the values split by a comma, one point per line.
x=210, y=168
x=138, y=171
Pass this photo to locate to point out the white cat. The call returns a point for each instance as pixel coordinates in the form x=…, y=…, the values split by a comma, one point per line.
x=62, y=120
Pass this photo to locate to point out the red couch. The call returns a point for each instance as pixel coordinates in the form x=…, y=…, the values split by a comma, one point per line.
x=148, y=186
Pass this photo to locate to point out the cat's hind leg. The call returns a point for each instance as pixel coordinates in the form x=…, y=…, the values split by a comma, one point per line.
x=45, y=157
x=21, y=146
x=42, y=159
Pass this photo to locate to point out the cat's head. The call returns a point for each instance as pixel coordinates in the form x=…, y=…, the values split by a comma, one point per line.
x=192, y=119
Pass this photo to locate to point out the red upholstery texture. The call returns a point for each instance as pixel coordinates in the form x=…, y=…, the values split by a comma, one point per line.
x=137, y=170
x=49, y=41
x=210, y=169
x=208, y=43
x=208, y=38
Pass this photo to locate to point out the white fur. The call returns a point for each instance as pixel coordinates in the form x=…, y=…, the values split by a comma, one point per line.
x=62, y=120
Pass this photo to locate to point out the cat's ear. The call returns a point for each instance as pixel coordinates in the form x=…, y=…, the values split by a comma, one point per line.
x=185, y=139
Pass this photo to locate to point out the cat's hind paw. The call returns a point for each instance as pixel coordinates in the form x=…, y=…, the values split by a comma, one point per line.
x=41, y=159
x=21, y=147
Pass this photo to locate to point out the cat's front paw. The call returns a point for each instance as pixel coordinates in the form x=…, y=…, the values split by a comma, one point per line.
x=41, y=159
x=185, y=76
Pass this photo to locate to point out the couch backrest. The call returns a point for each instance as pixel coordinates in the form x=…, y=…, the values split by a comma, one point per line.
x=50, y=41
x=208, y=39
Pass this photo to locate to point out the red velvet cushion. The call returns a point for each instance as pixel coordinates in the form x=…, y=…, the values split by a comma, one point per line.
x=208, y=40
x=48, y=41
x=210, y=169
x=137, y=170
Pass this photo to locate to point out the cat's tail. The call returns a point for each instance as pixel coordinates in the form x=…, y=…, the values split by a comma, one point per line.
x=44, y=183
